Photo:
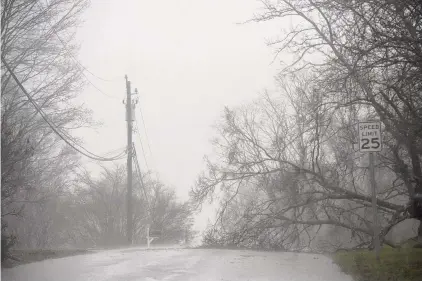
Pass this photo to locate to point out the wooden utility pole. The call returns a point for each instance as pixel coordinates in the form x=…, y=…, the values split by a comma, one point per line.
x=129, y=219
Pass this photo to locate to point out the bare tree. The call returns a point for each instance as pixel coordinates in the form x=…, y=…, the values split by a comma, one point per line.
x=372, y=54
x=101, y=207
x=297, y=152
x=37, y=42
x=99, y=212
x=173, y=218
x=362, y=61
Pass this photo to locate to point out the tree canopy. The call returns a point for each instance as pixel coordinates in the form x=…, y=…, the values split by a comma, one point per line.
x=354, y=61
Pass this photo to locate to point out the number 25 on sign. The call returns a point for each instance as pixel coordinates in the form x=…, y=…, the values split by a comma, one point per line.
x=369, y=136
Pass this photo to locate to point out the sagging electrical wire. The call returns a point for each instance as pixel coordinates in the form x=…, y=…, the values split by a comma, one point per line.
x=78, y=62
x=141, y=180
x=140, y=141
x=145, y=128
x=56, y=130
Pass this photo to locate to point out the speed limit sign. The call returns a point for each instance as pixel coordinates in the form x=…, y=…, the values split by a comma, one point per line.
x=369, y=136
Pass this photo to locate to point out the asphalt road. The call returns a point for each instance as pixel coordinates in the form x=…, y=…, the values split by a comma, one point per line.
x=180, y=264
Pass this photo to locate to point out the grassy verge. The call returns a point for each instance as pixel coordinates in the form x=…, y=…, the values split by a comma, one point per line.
x=28, y=256
x=402, y=264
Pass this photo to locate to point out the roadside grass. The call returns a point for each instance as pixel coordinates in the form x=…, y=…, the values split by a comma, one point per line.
x=27, y=256
x=396, y=264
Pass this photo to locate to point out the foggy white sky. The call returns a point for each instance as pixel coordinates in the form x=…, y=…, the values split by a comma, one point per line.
x=188, y=59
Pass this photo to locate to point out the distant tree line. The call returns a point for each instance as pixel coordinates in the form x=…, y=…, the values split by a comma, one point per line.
x=93, y=214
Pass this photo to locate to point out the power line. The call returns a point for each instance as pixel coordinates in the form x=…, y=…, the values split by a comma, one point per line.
x=140, y=140
x=116, y=150
x=53, y=126
x=84, y=68
x=146, y=136
x=145, y=128
x=138, y=170
x=119, y=156
x=98, y=89
x=141, y=143
x=78, y=62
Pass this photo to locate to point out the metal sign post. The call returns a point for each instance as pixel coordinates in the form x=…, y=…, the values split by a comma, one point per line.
x=374, y=206
x=149, y=239
x=151, y=235
x=370, y=141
